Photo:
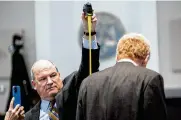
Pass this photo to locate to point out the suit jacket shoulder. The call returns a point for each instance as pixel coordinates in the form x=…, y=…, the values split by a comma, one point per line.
x=34, y=113
x=145, y=75
x=150, y=77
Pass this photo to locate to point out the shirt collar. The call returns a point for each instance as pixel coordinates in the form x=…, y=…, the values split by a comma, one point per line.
x=45, y=105
x=128, y=60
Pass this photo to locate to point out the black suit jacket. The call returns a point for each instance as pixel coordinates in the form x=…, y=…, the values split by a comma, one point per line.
x=66, y=99
x=122, y=92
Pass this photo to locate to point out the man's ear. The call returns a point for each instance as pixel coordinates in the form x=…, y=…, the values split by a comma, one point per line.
x=145, y=62
x=34, y=84
x=117, y=58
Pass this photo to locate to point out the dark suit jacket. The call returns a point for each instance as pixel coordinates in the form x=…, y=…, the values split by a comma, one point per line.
x=122, y=92
x=66, y=99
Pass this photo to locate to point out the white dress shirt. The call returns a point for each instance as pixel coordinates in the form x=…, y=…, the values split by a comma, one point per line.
x=128, y=60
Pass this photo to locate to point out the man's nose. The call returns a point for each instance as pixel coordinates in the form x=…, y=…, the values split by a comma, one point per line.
x=49, y=80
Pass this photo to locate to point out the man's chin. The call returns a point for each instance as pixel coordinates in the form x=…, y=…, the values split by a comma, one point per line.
x=53, y=93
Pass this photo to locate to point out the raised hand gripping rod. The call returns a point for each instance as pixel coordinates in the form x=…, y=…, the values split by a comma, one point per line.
x=87, y=9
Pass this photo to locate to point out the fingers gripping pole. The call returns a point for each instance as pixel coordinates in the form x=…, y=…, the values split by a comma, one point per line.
x=90, y=54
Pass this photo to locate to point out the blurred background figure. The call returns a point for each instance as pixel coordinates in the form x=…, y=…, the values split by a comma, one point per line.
x=19, y=74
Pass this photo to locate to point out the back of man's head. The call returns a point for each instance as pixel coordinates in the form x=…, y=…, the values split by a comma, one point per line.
x=133, y=46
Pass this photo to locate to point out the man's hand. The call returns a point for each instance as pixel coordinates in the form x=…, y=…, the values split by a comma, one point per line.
x=85, y=25
x=16, y=113
x=85, y=22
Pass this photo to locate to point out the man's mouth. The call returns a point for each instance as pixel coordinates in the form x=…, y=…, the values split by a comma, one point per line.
x=50, y=88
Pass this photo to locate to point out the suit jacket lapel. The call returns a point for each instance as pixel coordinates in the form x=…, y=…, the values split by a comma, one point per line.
x=36, y=111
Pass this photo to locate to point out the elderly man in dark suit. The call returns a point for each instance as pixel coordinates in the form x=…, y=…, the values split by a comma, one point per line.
x=59, y=97
x=127, y=90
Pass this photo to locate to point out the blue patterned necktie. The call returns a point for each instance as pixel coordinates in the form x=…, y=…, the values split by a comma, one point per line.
x=53, y=112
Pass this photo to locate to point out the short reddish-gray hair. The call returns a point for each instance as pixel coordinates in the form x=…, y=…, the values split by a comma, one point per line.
x=133, y=46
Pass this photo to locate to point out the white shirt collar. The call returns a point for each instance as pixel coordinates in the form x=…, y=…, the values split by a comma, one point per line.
x=45, y=105
x=128, y=60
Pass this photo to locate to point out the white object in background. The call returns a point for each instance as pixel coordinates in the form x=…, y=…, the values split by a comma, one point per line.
x=2, y=89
